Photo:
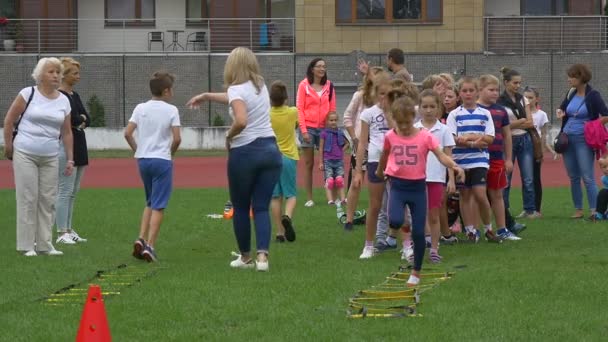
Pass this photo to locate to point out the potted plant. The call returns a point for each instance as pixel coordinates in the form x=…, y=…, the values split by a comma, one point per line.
x=8, y=35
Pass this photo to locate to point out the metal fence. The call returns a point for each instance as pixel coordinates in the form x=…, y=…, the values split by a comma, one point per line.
x=164, y=35
x=120, y=81
x=564, y=34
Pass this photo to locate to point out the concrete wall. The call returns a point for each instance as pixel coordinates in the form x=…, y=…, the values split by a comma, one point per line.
x=461, y=31
x=121, y=82
x=497, y=8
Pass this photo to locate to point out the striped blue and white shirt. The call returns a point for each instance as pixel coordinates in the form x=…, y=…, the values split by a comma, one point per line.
x=462, y=121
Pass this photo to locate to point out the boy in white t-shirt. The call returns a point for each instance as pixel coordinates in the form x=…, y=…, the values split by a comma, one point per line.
x=158, y=137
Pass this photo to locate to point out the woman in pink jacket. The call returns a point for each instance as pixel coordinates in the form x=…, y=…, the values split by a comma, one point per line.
x=315, y=99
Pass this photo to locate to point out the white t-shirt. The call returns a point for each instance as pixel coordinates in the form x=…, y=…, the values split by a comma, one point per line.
x=378, y=127
x=40, y=126
x=540, y=119
x=435, y=171
x=258, y=112
x=154, y=120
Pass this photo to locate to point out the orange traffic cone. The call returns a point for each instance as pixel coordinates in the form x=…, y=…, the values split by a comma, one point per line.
x=94, y=323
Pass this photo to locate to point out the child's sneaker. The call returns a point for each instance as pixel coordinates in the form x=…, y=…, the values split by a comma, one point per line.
x=138, y=248
x=506, y=234
x=149, y=254
x=474, y=235
x=330, y=202
x=413, y=281
x=491, y=237
x=368, y=252
x=407, y=254
x=449, y=240
x=65, y=238
x=309, y=203
x=290, y=233
x=434, y=257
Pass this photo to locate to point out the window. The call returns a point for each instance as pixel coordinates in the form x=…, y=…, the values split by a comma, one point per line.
x=130, y=12
x=389, y=11
x=197, y=11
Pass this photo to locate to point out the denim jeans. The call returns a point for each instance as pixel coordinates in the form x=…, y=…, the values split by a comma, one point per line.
x=578, y=159
x=66, y=193
x=253, y=171
x=523, y=151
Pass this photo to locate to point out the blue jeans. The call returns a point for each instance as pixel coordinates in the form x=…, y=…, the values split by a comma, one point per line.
x=333, y=168
x=66, y=193
x=578, y=159
x=523, y=151
x=253, y=171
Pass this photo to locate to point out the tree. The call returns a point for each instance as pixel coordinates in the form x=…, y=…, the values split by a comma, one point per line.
x=97, y=112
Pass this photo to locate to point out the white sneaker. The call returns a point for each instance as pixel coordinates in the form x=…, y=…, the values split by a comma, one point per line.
x=508, y=235
x=238, y=263
x=368, y=252
x=413, y=281
x=54, y=252
x=66, y=238
x=309, y=203
x=76, y=237
x=407, y=254
x=30, y=253
x=261, y=266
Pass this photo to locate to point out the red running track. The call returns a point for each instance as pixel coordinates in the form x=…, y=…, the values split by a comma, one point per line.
x=206, y=172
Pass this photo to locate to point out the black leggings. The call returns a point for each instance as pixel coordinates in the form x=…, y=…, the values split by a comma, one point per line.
x=602, y=201
x=538, y=187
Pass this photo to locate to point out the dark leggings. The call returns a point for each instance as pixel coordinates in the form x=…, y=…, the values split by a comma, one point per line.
x=602, y=201
x=538, y=187
x=413, y=194
x=253, y=171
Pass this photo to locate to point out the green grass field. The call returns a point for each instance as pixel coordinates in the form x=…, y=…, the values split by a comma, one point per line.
x=549, y=286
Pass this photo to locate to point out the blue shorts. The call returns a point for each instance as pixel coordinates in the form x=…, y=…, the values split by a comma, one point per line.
x=315, y=137
x=157, y=176
x=286, y=186
x=371, y=173
x=333, y=168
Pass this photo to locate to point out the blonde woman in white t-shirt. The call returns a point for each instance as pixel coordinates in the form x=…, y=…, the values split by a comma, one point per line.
x=541, y=121
x=34, y=152
x=254, y=160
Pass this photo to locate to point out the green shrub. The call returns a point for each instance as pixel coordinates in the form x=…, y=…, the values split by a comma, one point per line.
x=218, y=121
x=97, y=112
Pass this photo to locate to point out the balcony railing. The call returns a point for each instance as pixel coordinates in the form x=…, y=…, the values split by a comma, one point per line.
x=160, y=35
x=523, y=35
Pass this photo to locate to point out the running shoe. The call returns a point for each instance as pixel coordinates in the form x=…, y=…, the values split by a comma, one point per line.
x=506, y=234
x=368, y=252
x=491, y=237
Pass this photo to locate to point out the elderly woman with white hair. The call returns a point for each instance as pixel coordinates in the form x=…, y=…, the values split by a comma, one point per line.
x=41, y=116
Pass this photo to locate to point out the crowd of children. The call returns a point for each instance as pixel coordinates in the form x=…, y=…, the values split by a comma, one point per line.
x=432, y=159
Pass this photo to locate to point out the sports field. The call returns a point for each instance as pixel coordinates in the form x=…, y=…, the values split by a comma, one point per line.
x=549, y=286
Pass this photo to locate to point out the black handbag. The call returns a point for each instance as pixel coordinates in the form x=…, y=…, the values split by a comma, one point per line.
x=560, y=143
x=15, y=128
